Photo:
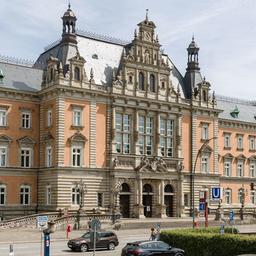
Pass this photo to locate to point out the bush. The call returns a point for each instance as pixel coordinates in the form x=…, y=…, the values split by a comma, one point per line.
x=209, y=242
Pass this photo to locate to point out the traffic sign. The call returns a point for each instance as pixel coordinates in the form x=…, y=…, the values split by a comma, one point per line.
x=216, y=193
x=201, y=206
x=95, y=224
x=42, y=221
x=231, y=215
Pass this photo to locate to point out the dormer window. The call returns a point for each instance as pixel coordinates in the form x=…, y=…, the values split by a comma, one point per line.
x=130, y=79
x=77, y=74
x=1, y=76
x=51, y=75
x=204, y=95
x=95, y=56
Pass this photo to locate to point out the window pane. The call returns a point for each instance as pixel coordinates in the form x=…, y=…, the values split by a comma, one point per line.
x=141, y=124
x=118, y=122
x=127, y=122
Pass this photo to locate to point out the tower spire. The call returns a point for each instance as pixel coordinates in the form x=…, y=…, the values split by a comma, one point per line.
x=147, y=15
x=69, y=5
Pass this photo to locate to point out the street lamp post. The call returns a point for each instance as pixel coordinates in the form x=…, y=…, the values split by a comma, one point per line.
x=193, y=178
x=82, y=190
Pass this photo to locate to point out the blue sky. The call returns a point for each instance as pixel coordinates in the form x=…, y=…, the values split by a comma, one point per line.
x=225, y=31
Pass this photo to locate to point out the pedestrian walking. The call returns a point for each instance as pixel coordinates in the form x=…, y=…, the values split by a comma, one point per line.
x=152, y=234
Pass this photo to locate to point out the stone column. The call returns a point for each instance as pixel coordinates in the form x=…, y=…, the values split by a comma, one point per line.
x=141, y=206
x=163, y=206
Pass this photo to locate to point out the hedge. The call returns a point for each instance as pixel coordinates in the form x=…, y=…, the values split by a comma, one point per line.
x=209, y=242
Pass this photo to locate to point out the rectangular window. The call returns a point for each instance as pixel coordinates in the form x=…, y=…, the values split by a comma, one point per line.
x=100, y=199
x=26, y=120
x=241, y=196
x=251, y=143
x=49, y=118
x=25, y=157
x=3, y=117
x=142, y=144
x=166, y=137
x=240, y=142
x=3, y=156
x=228, y=196
x=123, y=133
x=25, y=195
x=227, y=168
x=76, y=156
x=240, y=169
x=205, y=164
x=186, y=200
x=48, y=156
x=226, y=140
x=252, y=169
x=77, y=117
x=253, y=197
x=205, y=131
x=75, y=196
x=141, y=124
x=2, y=195
x=48, y=195
x=118, y=122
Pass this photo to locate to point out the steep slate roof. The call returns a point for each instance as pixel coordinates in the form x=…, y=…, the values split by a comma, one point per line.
x=247, y=109
x=108, y=51
x=20, y=77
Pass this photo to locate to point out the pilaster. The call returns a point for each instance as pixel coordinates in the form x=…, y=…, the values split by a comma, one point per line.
x=93, y=132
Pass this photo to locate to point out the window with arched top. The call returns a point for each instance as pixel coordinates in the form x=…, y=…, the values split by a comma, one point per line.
x=141, y=81
x=204, y=95
x=147, y=188
x=168, y=188
x=125, y=188
x=130, y=79
x=77, y=74
x=152, y=83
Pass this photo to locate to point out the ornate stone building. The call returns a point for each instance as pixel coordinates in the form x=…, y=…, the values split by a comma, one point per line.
x=111, y=125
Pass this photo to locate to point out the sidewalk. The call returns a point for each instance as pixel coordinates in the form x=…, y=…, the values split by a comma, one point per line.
x=22, y=236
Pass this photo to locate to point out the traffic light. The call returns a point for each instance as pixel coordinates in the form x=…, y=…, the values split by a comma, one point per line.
x=252, y=186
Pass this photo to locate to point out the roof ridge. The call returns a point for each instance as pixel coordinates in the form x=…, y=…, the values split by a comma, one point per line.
x=104, y=38
x=16, y=61
x=236, y=100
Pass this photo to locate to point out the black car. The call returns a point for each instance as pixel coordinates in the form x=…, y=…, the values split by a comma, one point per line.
x=152, y=248
x=105, y=239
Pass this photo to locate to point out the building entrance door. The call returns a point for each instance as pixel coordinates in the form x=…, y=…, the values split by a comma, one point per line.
x=125, y=206
x=147, y=200
x=168, y=201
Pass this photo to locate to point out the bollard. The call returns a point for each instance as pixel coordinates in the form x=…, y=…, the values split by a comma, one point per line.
x=46, y=244
x=11, y=253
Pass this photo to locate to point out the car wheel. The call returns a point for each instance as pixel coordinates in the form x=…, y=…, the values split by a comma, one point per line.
x=179, y=254
x=111, y=246
x=84, y=248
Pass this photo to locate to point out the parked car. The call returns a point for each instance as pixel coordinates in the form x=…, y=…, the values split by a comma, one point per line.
x=105, y=239
x=151, y=248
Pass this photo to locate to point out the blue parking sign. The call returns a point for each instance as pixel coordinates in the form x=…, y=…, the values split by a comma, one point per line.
x=231, y=215
x=201, y=206
x=216, y=193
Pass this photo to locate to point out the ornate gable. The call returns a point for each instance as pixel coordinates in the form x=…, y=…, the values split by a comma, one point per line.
x=26, y=140
x=5, y=139
x=78, y=138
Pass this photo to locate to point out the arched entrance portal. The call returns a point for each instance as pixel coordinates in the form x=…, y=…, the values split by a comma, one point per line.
x=147, y=200
x=168, y=200
x=125, y=200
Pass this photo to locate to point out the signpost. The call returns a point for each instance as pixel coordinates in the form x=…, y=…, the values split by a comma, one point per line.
x=231, y=218
x=96, y=225
x=216, y=193
x=42, y=221
x=201, y=206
